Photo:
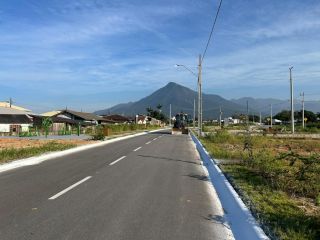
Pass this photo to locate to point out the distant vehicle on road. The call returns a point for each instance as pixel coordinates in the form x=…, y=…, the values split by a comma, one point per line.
x=180, y=125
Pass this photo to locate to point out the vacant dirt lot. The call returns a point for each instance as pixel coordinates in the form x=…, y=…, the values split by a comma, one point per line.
x=25, y=143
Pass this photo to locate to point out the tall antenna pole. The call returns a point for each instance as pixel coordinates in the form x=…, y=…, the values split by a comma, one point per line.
x=10, y=102
x=303, y=122
x=292, y=110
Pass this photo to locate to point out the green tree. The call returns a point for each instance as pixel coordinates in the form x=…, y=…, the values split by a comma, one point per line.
x=284, y=115
x=159, y=106
x=157, y=114
x=311, y=116
x=46, y=124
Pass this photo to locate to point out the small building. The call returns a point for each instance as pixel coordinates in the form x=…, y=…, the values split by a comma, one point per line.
x=83, y=117
x=154, y=121
x=231, y=120
x=141, y=119
x=276, y=121
x=13, y=121
x=235, y=121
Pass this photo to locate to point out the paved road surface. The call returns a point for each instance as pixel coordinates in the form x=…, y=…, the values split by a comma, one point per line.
x=118, y=191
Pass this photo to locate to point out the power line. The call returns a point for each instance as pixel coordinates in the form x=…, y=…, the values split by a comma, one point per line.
x=213, y=26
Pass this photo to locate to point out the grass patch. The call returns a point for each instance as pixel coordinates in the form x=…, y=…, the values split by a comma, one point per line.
x=9, y=154
x=278, y=177
x=124, y=128
x=283, y=217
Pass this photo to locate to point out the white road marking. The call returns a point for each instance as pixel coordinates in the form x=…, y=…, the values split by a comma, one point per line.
x=136, y=149
x=69, y=188
x=148, y=142
x=119, y=159
x=154, y=139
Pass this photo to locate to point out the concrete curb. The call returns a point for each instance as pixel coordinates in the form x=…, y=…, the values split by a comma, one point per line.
x=48, y=156
x=242, y=223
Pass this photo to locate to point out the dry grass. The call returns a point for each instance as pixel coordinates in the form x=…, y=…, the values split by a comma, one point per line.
x=279, y=177
x=25, y=143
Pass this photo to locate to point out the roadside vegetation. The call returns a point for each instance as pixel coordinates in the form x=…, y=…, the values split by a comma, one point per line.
x=100, y=132
x=278, y=178
x=8, y=154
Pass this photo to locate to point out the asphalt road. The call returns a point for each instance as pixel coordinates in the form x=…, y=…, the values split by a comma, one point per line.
x=147, y=187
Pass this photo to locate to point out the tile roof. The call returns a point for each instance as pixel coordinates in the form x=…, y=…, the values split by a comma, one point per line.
x=84, y=115
x=8, y=111
x=14, y=119
x=7, y=105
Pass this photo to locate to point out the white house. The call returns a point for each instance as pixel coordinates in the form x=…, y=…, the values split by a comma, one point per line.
x=141, y=119
x=13, y=121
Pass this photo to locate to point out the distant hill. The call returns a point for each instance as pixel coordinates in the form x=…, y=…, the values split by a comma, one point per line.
x=181, y=99
x=263, y=104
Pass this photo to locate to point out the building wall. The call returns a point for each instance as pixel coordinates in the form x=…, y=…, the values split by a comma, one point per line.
x=5, y=128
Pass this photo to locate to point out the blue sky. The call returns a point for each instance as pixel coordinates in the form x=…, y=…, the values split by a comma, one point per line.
x=92, y=54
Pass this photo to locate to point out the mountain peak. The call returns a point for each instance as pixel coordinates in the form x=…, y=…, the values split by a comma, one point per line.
x=181, y=99
x=173, y=84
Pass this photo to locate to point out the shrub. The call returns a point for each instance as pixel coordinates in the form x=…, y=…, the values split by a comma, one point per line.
x=98, y=134
x=221, y=136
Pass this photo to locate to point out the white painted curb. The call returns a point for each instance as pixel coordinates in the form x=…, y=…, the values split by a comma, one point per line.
x=39, y=159
x=242, y=223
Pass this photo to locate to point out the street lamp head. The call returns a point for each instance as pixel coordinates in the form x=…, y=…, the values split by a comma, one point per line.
x=290, y=68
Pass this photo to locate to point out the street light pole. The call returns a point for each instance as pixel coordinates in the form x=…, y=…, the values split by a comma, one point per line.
x=271, y=124
x=260, y=120
x=303, y=123
x=194, y=113
x=194, y=101
x=292, y=110
x=199, y=91
x=170, y=116
x=220, y=117
x=200, y=97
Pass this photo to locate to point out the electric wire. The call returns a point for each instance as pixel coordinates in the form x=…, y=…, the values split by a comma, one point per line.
x=212, y=29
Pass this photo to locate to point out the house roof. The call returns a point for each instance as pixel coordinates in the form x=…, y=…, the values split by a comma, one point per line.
x=84, y=115
x=38, y=120
x=50, y=114
x=7, y=105
x=142, y=117
x=10, y=111
x=64, y=120
x=14, y=119
x=117, y=118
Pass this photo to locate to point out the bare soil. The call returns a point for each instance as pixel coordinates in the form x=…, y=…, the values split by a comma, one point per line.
x=25, y=143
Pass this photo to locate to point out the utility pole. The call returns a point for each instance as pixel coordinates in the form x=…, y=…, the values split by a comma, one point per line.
x=194, y=113
x=292, y=110
x=10, y=102
x=220, y=117
x=247, y=114
x=170, y=116
x=260, y=120
x=271, y=115
x=200, y=97
x=303, y=123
